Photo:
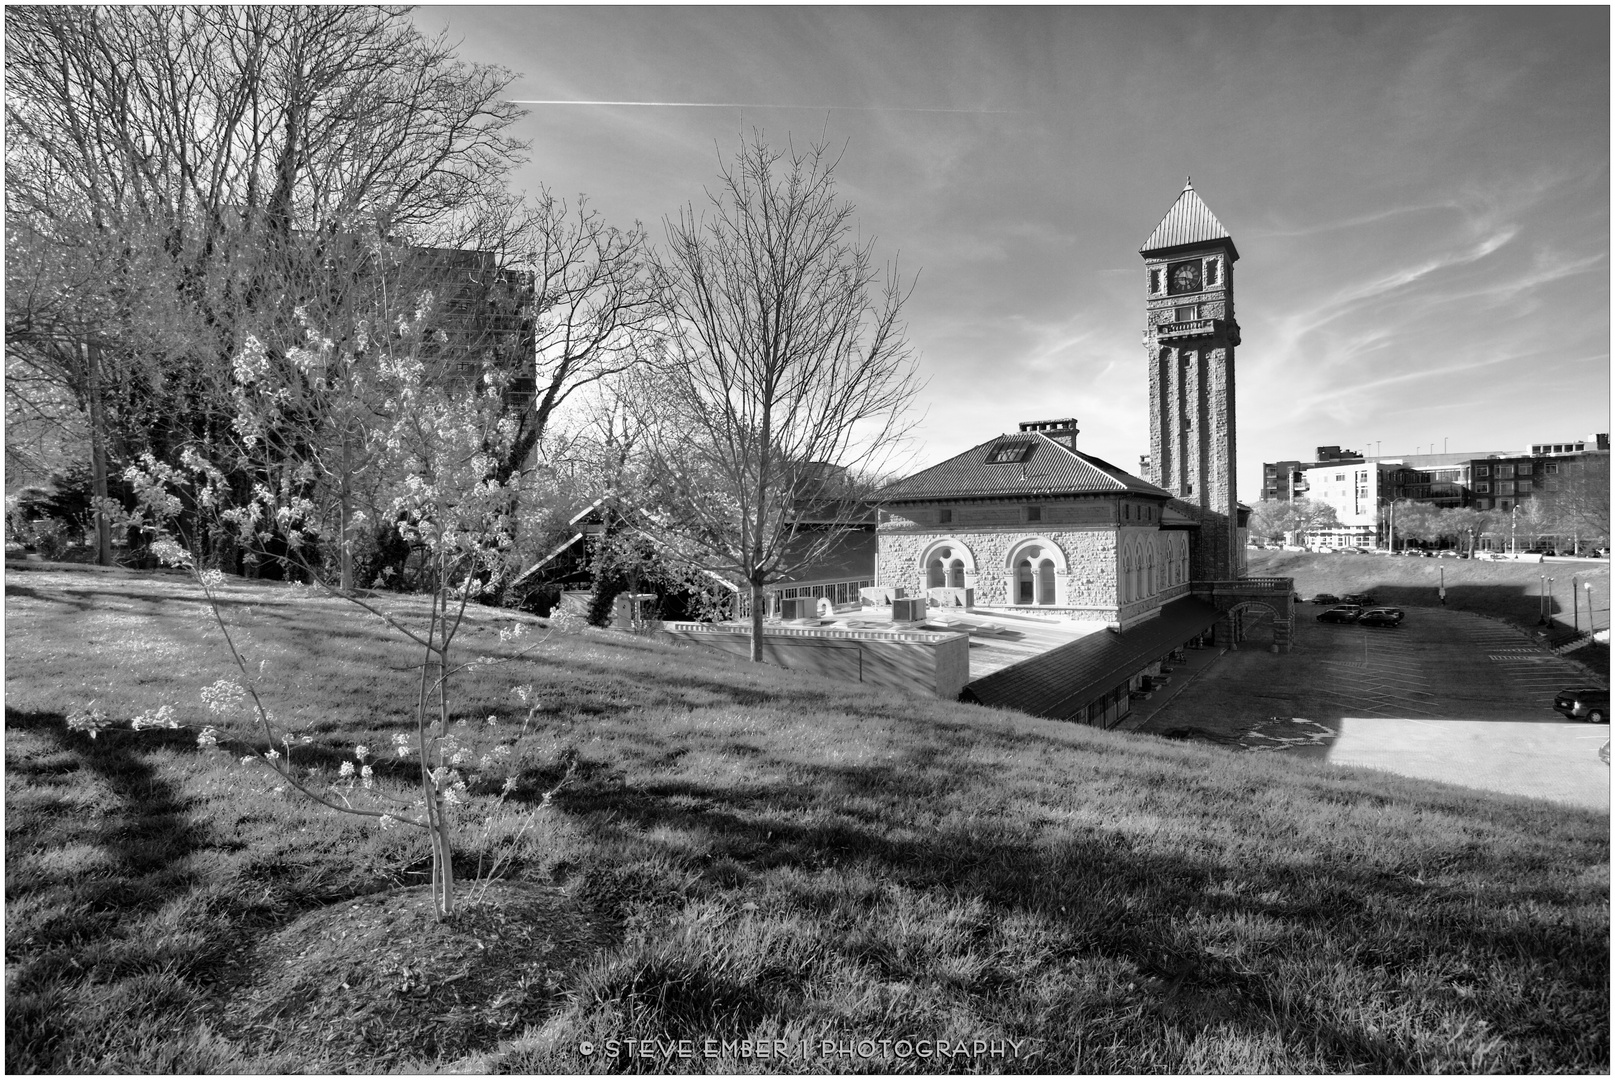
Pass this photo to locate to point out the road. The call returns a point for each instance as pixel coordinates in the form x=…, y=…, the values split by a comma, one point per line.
x=1446, y=696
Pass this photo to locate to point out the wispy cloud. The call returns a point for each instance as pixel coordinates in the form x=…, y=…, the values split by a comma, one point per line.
x=1347, y=298
x=767, y=105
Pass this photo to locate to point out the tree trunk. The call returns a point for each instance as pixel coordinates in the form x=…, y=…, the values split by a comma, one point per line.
x=347, y=510
x=758, y=599
x=98, y=457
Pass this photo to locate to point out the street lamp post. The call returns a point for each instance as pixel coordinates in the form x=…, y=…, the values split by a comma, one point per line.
x=1591, y=625
x=1575, y=612
x=1542, y=600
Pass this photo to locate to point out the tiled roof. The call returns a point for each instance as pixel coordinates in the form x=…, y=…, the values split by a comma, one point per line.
x=1050, y=469
x=1060, y=683
x=1190, y=221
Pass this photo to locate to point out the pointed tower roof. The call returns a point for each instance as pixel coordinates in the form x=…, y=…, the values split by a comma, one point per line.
x=1189, y=222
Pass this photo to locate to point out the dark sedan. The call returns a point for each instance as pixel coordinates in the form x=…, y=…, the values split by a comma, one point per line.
x=1587, y=703
x=1325, y=598
x=1381, y=616
x=1341, y=615
x=1360, y=599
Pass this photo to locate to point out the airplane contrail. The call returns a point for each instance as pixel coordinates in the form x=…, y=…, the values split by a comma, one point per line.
x=739, y=105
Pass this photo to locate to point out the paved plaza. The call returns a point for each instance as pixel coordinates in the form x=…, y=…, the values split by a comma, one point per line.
x=1447, y=696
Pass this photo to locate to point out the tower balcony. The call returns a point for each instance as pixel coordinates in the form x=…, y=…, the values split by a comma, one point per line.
x=1198, y=328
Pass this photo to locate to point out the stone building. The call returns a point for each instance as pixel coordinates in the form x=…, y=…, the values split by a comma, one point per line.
x=1027, y=521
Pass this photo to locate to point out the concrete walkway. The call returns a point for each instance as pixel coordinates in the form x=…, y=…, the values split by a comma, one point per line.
x=1544, y=761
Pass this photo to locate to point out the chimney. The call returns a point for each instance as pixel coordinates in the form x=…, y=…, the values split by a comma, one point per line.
x=1062, y=431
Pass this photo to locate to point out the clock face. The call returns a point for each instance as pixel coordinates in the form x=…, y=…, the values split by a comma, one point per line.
x=1185, y=276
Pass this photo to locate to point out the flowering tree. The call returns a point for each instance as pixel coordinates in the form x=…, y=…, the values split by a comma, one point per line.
x=445, y=441
x=181, y=178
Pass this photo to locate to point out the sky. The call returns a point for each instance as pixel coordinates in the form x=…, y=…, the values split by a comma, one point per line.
x=1420, y=197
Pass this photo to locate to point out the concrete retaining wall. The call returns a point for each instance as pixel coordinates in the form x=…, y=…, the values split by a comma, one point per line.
x=908, y=660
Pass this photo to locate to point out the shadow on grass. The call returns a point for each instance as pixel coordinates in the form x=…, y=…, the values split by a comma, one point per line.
x=88, y=869
x=1106, y=896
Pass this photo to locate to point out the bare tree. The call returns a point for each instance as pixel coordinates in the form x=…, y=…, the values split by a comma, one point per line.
x=191, y=176
x=1282, y=520
x=785, y=362
x=1580, y=508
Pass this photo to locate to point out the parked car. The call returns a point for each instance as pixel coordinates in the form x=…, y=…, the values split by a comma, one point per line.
x=1381, y=616
x=1325, y=598
x=1360, y=599
x=1447, y=553
x=1341, y=615
x=1587, y=703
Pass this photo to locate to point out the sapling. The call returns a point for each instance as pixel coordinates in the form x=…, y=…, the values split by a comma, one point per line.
x=440, y=443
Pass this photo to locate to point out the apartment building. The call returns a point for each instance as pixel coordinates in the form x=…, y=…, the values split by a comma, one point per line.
x=1283, y=481
x=1357, y=490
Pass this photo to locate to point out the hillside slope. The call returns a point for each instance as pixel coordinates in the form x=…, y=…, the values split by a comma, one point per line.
x=835, y=873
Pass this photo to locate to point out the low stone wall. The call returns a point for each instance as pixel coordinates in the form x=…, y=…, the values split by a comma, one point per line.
x=908, y=660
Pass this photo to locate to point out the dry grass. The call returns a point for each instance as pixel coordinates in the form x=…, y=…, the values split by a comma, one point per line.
x=767, y=858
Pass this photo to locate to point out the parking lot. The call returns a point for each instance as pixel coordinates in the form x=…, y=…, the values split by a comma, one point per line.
x=1447, y=696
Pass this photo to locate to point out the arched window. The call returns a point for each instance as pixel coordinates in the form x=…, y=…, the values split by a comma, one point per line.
x=1045, y=582
x=956, y=574
x=934, y=575
x=1023, y=582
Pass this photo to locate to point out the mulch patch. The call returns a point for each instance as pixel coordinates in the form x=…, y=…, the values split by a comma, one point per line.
x=378, y=983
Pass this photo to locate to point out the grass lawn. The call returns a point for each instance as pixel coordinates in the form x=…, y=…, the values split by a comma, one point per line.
x=744, y=855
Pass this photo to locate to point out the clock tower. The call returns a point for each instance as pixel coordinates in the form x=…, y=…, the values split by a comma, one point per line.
x=1189, y=335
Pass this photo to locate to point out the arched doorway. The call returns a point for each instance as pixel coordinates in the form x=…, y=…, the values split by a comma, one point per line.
x=1253, y=624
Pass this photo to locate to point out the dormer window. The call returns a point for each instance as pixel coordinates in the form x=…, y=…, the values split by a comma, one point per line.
x=1010, y=453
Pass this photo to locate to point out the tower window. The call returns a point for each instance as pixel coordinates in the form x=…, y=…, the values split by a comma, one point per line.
x=1034, y=513
x=944, y=517
x=1155, y=282
x=1186, y=313
x=1212, y=270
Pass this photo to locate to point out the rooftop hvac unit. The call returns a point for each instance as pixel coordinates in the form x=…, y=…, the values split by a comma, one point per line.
x=799, y=607
x=910, y=609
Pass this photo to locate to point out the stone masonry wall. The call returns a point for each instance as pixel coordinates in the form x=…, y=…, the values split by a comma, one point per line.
x=1089, y=582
